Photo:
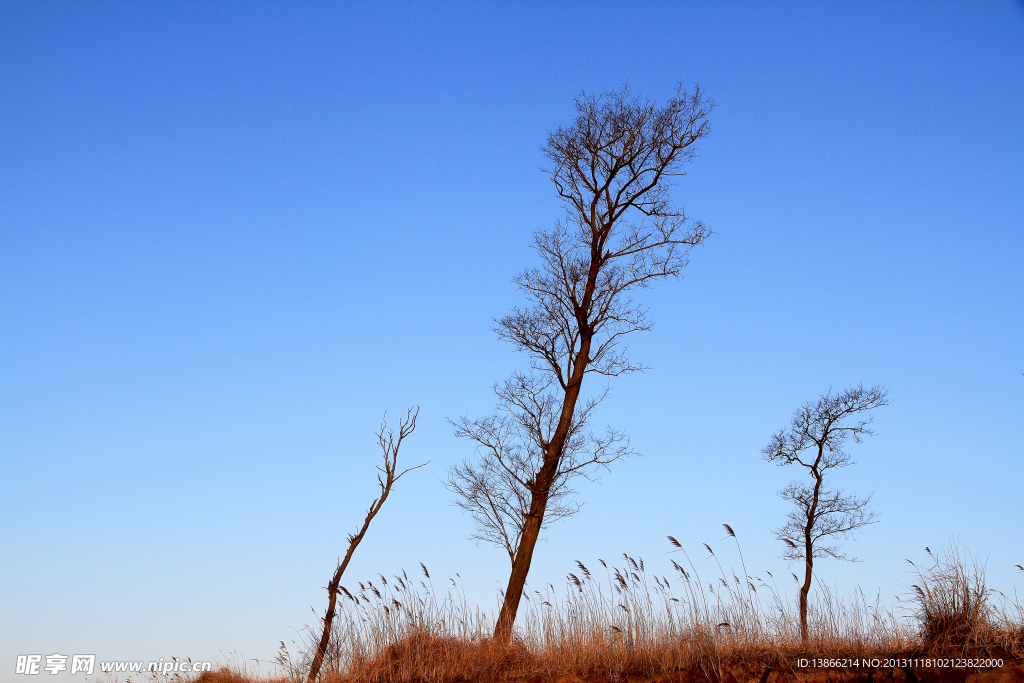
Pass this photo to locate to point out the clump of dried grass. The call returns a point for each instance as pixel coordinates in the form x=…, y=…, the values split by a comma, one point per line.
x=224, y=675
x=951, y=602
x=954, y=609
x=429, y=657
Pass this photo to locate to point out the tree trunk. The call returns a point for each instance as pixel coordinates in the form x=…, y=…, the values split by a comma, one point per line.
x=325, y=638
x=812, y=517
x=539, y=496
x=805, y=589
x=520, y=569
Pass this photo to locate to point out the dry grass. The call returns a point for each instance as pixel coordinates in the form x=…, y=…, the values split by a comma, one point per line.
x=955, y=613
x=622, y=622
x=227, y=675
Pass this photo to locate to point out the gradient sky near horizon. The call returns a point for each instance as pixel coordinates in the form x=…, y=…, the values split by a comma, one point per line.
x=233, y=234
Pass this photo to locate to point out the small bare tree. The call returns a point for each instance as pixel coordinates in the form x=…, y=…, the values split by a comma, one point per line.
x=386, y=478
x=815, y=440
x=613, y=168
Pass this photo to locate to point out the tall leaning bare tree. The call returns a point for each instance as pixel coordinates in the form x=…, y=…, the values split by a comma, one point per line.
x=815, y=440
x=386, y=477
x=612, y=168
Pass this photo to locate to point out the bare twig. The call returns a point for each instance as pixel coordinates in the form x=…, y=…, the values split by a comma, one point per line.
x=386, y=478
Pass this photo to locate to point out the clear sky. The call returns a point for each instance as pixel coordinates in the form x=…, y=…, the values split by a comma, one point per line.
x=233, y=234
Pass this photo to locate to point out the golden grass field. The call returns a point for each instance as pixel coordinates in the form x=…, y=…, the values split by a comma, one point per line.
x=623, y=623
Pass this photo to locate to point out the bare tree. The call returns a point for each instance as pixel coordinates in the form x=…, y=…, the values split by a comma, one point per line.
x=613, y=169
x=815, y=440
x=386, y=478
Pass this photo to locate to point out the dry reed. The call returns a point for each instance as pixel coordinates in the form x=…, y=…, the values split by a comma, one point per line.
x=954, y=611
x=622, y=622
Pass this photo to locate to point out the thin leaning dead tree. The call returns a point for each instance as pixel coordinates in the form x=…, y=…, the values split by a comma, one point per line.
x=386, y=478
x=613, y=169
x=815, y=440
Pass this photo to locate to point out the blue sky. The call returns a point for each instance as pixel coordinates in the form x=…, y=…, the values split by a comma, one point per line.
x=233, y=234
